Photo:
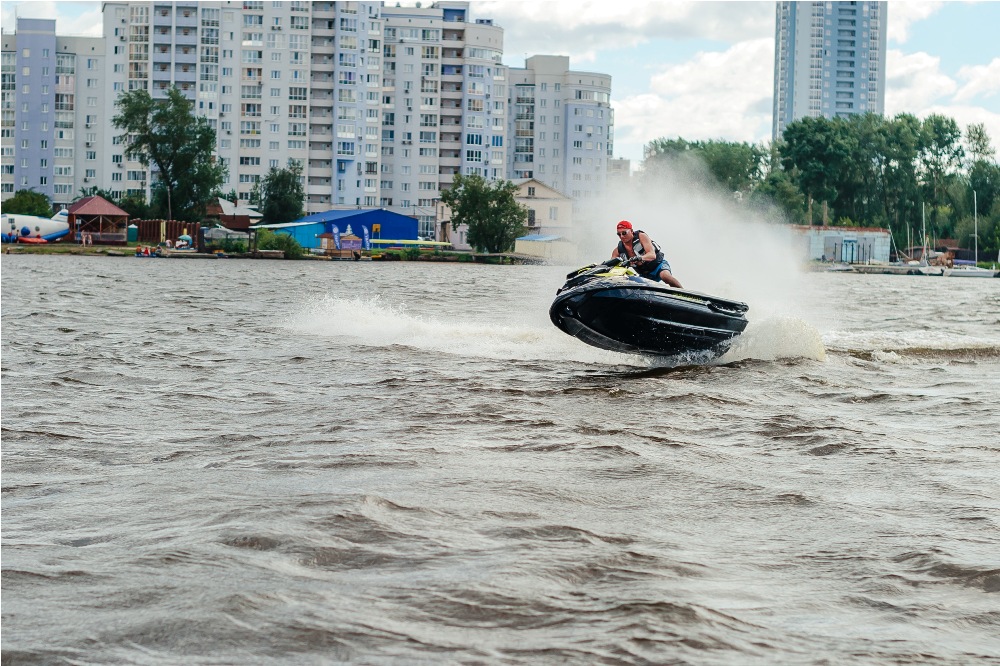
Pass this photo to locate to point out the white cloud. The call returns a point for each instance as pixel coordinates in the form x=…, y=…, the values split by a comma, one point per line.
x=981, y=80
x=903, y=14
x=716, y=95
x=72, y=18
x=582, y=29
x=914, y=81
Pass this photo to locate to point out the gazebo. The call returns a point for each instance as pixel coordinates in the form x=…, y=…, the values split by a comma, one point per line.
x=106, y=223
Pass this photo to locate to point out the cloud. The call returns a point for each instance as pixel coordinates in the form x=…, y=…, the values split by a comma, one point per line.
x=915, y=84
x=72, y=18
x=902, y=14
x=914, y=81
x=715, y=95
x=981, y=80
x=586, y=28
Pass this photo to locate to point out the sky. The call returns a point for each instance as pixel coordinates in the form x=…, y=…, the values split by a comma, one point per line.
x=705, y=70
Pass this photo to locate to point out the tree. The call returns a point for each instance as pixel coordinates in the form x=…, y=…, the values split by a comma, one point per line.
x=231, y=195
x=737, y=167
x=940, y=155
x=96, y=191
x=28, y=202
x=166, y=134
x=489, y=209
x=281, y=194
x=901, y=191
x=980, y=147
x=984, y=173
x=778, y=189
x=135, y=205
x=816, y=150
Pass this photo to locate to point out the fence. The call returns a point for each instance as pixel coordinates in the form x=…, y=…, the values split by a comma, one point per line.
x=155, y=231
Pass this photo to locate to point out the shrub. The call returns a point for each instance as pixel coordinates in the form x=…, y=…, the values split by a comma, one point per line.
x=268, y=240
x=228, y=245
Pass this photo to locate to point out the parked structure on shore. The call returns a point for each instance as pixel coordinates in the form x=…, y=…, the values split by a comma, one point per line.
x=850, y=245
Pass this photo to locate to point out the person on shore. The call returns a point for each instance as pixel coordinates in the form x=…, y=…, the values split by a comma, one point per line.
x=646, y=257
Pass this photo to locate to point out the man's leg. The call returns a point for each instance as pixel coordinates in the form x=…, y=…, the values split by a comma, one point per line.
x=668, y=277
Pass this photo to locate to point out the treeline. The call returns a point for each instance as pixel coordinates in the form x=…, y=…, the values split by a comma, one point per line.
x=865, y=170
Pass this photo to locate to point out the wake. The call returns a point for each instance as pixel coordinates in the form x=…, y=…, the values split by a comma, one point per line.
x=373, y=322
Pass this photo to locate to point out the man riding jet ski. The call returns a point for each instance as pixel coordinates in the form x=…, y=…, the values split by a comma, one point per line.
x=646, y=256
x=613, y=306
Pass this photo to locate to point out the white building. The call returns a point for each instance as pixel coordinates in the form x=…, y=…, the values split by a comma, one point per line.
x=562, y=127
x=444, y=101
x=852, y=245
x=381, y=106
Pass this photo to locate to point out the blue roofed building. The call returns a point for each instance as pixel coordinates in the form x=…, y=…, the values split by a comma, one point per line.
x=375, y=225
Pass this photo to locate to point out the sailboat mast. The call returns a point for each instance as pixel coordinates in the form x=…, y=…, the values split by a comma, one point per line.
x=923, y=230
x=975, y=219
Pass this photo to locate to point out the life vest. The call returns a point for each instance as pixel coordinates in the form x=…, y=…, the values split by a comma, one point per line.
x=637, y=250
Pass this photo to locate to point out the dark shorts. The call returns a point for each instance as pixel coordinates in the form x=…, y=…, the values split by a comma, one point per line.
x=654, y=274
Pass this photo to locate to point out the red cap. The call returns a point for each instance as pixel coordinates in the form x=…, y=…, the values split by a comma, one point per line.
x=624, y=224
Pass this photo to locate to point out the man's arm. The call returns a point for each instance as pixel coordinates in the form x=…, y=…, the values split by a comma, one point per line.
x=648, y=253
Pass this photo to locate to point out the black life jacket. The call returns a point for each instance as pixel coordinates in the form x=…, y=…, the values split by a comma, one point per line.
x=637, y=250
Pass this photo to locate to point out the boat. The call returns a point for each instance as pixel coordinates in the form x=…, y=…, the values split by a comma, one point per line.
x=970, y=272
x=608, y=305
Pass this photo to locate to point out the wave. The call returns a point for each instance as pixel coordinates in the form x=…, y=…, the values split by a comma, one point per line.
x=775, y=338
x=910, y=346
x=373, y=322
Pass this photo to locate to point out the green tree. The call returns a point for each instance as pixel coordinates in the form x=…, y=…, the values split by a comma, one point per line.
x=816, y=150
x=28, y=202
x=135, y=205
x=940, y=156
x=231, y=195
x=778, y=189
x=984, y=173
x=735, y=166
x=281, y=194
x=980, y=146
x=494, y=217
x=95, y=191
x=860, y=185
x=984, y=179
x=167, y=135
x=901, y=191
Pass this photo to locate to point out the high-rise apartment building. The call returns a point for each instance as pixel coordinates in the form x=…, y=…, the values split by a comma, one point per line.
x=380, y=106
x=444, y=102
x=51, y=127
x=281, y=82
x=829, y=60
x=561, y=127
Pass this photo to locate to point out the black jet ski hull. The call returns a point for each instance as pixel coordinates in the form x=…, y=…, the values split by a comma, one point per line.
x=639, y=316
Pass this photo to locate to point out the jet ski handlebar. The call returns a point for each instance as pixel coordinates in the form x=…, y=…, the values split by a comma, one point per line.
x=618, y=261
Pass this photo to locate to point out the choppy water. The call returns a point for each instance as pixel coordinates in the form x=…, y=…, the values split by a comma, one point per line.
x=257, y=462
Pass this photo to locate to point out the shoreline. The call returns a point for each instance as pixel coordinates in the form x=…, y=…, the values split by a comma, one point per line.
x=57, y=249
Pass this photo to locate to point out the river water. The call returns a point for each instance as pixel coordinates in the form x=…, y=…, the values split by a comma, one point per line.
x=221, y=462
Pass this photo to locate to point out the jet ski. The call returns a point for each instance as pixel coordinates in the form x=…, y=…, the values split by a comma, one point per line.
x=610, y=306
